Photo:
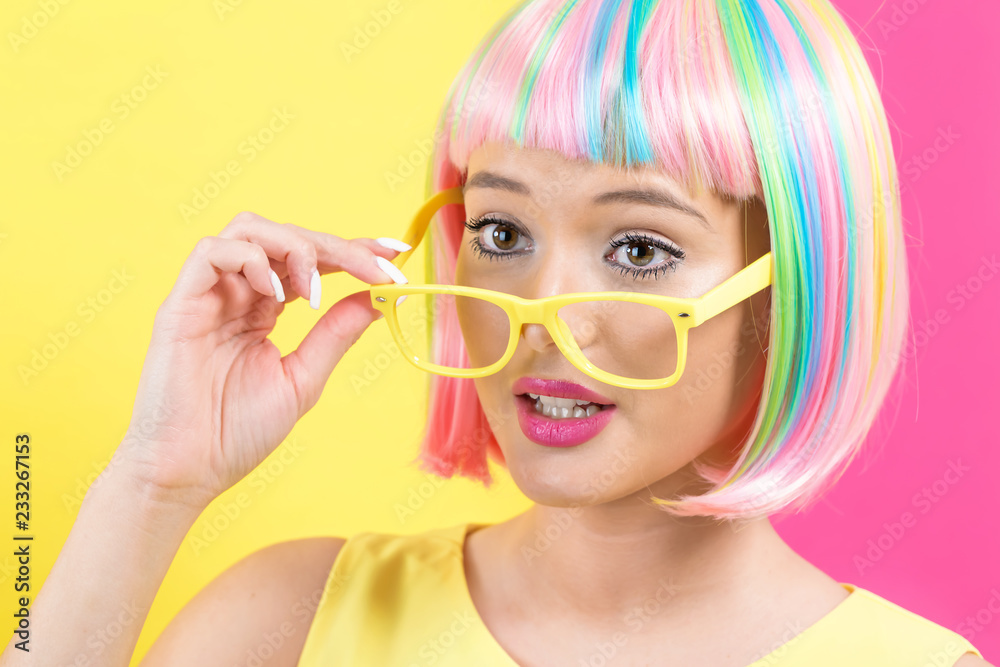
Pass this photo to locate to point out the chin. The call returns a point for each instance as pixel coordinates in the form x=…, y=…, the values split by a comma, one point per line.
x=566, y=477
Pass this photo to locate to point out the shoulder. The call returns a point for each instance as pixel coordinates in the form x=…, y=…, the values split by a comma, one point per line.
x=906, y=632
x=272, y=592
x=287, y=576
x=290, y=572
x=972, y=660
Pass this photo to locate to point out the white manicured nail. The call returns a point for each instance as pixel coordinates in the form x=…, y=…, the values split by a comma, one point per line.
x=391, y=270
x=393, y=244
x=400, y=299
x=314, y=290
x=279, y=293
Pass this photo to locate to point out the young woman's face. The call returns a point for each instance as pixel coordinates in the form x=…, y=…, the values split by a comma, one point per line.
x=545, y=235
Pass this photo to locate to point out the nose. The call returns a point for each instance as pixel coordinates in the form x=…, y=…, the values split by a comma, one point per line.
x=581, y=329
x=536, y=336
x=554, y=278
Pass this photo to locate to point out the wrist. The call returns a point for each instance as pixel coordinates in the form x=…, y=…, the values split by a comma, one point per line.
x=148, y=502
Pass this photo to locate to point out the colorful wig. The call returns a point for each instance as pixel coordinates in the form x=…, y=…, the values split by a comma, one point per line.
x=765, y=98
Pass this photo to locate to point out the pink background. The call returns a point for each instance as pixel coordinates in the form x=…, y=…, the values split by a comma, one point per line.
x=938, y=67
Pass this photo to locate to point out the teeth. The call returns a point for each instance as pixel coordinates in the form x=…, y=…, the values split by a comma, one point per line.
x=560, y=402
x=564, y=412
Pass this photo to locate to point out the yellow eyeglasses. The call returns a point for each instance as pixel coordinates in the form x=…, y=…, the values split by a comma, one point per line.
x=635, y=329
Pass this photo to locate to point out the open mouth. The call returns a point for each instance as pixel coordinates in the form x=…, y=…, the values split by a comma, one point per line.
x=562, y=408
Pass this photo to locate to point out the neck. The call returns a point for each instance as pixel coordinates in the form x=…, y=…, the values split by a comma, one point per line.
x=604, y=561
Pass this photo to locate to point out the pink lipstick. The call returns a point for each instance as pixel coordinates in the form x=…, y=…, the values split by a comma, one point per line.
x=553, y=431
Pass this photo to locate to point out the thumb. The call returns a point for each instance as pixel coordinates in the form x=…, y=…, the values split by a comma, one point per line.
x=309, y=366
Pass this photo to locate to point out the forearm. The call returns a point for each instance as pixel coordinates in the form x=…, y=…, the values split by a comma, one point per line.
x=94, y=601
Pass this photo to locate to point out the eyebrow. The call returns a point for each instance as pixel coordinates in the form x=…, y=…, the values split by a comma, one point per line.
x=660, y=198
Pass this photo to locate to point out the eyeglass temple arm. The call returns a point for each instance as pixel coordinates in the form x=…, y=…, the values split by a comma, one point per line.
x=747, y=282
x=422, y=219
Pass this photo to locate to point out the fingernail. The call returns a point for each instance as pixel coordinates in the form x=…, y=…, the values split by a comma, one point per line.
x=391, y=270
x=393, y=244
x=401, y=299
x=279, y=293
x=314, y=290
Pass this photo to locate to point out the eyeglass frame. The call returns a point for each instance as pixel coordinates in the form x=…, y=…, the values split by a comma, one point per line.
x=685, y=312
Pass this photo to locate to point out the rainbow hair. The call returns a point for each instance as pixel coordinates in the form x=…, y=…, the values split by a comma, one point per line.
x=765, y=98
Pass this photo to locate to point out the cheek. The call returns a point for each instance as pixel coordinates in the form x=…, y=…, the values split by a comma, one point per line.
x=723, y=373
x=483, y=325
x=631, y=340
x=709, y=406
x=713, y=353
x=485, y=329
x=667, y=430
x=460, y=267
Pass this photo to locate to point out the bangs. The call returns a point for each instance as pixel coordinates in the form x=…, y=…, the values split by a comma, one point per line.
x=615, y=83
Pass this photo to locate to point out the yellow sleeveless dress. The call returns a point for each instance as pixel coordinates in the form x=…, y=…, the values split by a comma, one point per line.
x=403, y=601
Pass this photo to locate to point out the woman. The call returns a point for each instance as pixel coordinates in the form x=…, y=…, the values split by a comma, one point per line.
x=652, y=149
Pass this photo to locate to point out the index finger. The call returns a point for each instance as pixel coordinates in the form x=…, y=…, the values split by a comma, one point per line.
x=305, y=251
x=331, y=252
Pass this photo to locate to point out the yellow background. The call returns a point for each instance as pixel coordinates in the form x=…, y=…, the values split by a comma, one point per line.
x=225, y=68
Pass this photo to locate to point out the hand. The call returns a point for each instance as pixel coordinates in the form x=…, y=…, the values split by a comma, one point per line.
x=215, y=395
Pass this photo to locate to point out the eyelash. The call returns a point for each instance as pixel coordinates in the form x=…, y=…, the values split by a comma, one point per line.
x=475, y=224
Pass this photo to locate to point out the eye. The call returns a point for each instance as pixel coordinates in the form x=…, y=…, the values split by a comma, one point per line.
x=498, y=239
x=635, y=253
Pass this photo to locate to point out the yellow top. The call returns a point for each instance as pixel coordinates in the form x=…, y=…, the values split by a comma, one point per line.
x=403, y=601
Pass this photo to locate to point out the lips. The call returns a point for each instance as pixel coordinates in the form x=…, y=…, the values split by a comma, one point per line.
x=558, y=389
x=568, y=432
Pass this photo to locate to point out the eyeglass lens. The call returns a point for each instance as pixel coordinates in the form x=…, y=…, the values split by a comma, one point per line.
x=633, y=340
